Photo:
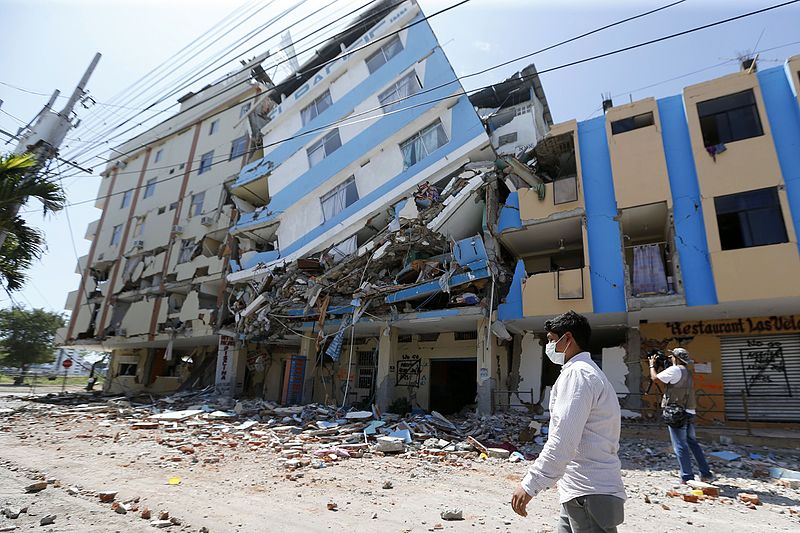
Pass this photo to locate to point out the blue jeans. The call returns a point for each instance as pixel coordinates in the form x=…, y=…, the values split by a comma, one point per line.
x=684, y=442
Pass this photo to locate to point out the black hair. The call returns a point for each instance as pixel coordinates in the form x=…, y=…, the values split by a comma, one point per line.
x=575, y=324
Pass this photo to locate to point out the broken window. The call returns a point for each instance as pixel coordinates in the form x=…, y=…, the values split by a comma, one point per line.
x=422, y=144
x=342, y=196
x=238, y=147
x=158, y=156
x=116, y=235
x=344, y=249
x=187, y=249
x=405, y=87
x=387, y=51
x=729, y=118
x=205, y=162
x=244, y=109
x=139, y=230
x=508, y=138
x=632, y=123
x=312, y=110
x=752, y=218
x=150, y=187
x=197, y=204
x=126, y=199
x=213, y=127
x=324, y=147
x=127, y=369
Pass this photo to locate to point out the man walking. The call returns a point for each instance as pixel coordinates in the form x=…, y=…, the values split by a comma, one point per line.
x=680, y=393
x=581, y=450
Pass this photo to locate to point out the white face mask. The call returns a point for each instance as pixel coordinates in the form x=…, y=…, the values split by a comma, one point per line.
x=552, y=354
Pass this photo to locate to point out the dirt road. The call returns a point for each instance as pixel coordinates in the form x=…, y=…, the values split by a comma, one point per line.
x=246, y=489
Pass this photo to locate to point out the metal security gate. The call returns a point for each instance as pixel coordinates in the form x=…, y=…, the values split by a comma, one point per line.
x=767, y=369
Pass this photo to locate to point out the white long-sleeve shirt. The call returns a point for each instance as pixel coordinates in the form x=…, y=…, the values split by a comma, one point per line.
x=580, y=454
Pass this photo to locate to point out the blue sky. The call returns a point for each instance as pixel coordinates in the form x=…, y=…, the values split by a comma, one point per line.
x=50, y=43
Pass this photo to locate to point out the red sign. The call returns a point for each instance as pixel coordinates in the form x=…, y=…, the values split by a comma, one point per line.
x=66, y=363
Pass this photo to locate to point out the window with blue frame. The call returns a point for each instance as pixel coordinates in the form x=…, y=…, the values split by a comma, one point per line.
x=422, y=144
x=238, y=147
x=329, y=143
x=752, y=218
x=150, y=187
x=388, y=50
x=205, y=162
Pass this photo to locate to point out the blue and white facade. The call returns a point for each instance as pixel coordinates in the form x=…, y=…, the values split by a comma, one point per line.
x=359, y=135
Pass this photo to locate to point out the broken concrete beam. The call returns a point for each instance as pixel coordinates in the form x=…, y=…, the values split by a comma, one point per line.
x=498, y=453
x=390, y=445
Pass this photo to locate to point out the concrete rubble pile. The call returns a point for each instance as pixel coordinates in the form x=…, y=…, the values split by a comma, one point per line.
x=402, y=249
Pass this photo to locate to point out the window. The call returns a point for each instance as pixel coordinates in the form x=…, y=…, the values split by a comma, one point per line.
x=197, y=204
x=150, y=187
x=205, y=162
x=422, y=144
x=126, y=198
x=388, y=50
x=244, y=109
x=116, y=235
x=213, y=127
x=366, y=377
x=139, y=231
x=729, y=118
x=173, y=206
x=565, y=190
x=407, y=86
x=632, y=123
x=508, y=138
x=465, y=335
x=335, y=201
x=324, y=147
x=127, y=369
x=159, y=154
x=752, y=218
x=312, y=110
x=238, y=147
x=187, y=249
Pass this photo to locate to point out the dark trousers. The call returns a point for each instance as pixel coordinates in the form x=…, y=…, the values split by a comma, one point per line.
x=594, y=513
x=684, y=442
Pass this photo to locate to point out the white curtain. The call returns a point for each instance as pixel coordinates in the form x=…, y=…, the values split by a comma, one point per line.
x=648, y=270
x=334, y=203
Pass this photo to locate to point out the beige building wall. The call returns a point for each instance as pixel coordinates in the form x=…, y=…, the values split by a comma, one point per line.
x=746, y=165
x=637, y=158
x=530, y=207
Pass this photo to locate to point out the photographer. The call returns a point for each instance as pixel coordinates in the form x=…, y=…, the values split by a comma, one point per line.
x=679, y=411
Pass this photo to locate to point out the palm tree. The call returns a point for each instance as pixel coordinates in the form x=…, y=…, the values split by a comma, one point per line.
x=19, y=181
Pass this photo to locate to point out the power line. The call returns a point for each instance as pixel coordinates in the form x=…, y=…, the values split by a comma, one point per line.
x=185, y=85
x=287, y=59
x=551, y=69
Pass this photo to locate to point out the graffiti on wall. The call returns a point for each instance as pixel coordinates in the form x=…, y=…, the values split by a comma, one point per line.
x=409, y=371
x=764, y=368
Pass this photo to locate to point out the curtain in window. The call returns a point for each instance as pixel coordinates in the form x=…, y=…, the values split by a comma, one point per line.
x=648, y=270
x=413, y=151
x=434, y=138
x=334, y=203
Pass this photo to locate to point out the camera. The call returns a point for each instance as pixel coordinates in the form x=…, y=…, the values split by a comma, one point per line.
x=661, y=361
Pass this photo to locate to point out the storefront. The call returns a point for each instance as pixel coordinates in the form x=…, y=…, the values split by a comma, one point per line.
x=744, y=367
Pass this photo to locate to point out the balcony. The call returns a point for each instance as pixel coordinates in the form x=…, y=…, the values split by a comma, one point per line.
x=553, y=293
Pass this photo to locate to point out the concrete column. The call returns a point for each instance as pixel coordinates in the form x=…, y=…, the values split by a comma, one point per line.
x=633, y=360
x=487, y=366
x=308, y=349
x=387, y=349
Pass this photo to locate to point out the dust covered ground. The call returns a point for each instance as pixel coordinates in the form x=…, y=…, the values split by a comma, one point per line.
x=256, y=479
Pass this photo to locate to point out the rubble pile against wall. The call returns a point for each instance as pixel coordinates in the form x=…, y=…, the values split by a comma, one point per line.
x=406, y=253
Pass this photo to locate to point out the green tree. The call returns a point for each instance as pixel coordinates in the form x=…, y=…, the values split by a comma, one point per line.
x=27, y=336
x=20, y=181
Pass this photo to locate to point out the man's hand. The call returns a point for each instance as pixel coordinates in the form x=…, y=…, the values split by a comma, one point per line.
x=652, y=360
x=519, y=501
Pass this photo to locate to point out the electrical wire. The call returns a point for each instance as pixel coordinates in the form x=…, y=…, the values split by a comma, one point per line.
x=344, y=122
x=287, y=59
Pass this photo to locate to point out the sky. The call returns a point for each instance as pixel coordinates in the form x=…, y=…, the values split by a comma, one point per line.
x=47, y=44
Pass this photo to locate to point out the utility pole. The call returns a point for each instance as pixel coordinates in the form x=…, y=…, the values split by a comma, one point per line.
x=43, y=135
